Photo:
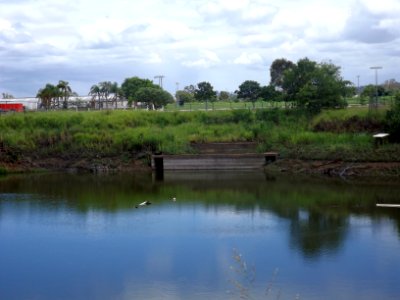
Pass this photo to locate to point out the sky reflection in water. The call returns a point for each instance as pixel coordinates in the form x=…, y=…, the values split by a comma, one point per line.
x=81, y=237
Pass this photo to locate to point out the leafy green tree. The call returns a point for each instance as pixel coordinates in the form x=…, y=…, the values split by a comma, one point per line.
x=393, y=120
x=391, y=86
x=314, y=86
x=368, y=94
x=205, y=92
x=130, y=86
x=184, y=97
x=190, y=89
x=154, y=97
x=249, y=91
x=278, y=69
x=224, y=96
x=350, y=89
x=270, y=93
x=49, y=96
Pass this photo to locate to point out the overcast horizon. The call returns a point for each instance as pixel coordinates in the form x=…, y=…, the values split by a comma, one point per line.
x=219, y=41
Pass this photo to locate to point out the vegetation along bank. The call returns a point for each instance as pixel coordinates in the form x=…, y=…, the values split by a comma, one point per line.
x=123, y=140
x=305, y=116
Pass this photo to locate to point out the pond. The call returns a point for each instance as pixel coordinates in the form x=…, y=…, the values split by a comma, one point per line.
x=226, y=236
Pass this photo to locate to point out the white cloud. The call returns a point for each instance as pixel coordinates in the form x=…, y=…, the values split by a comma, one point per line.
x=224, y=40
x=248, y=59
x=206, y=59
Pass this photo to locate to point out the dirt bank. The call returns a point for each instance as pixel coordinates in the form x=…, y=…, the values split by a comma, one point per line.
x=337, y=168
x=141, y=163
x=76, y=163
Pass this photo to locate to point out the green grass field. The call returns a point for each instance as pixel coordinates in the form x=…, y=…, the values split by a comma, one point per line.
x=102, y=133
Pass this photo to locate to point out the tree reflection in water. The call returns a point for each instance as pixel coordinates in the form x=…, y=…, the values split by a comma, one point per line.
x=315, y=233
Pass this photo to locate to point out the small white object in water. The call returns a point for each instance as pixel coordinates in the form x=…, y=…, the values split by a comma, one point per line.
x=388, y=205
x=145, y=203
x=174, y=199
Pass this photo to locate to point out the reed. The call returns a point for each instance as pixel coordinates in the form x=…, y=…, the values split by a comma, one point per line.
x=290, y=132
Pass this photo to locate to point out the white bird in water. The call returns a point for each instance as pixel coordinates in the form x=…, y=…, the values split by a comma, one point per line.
x=174, y=199
x=143, y=203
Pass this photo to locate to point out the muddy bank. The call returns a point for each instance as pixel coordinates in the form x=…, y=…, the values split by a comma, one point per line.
x=337, y=168
x=77, y=164
x=142, y=163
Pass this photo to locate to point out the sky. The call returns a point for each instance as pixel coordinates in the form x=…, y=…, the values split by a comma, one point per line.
x=224, y=42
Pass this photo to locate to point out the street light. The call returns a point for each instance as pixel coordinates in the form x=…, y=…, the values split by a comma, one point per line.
x=376, y=68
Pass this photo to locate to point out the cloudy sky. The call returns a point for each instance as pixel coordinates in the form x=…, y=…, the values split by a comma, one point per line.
x=221, y=41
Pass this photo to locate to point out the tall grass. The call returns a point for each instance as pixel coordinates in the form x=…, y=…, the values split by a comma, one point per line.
x=115, y=132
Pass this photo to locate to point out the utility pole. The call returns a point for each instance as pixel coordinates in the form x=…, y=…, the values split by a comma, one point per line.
x=160, y=79
x=358, y=85
x=376, y=68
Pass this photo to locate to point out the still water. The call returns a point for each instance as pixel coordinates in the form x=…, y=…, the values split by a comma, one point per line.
x=227, y=236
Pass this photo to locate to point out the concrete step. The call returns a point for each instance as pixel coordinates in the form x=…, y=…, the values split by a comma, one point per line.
x=225, y=148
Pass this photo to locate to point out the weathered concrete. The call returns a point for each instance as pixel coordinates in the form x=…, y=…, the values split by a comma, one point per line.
x=224, y=148
x=216, y=156
x=247, y=161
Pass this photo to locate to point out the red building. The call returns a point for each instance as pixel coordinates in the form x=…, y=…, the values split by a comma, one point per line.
x=18, y=107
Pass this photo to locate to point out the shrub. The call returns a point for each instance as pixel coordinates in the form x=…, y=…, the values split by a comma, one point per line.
x=393, y=120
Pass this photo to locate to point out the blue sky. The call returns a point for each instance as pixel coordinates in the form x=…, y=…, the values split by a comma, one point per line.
x=220, y=41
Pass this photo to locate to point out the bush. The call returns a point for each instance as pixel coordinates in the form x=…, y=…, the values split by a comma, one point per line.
x=393, y=120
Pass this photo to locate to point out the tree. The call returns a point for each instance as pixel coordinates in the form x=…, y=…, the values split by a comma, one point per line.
x=105, y=92
x=224, y=96
x=65, y=92
x=49, y=96
x=277, y=71
x=95, y=92
x=7, y=96
x=154, y=97
x=249, y=91
x=393, y=120
x=190, y=89
x=314, y=86
x=184, y=97
x=270, y=93
x=392, y=86
x=205, y=92
x=370, y=92
x=130, y=86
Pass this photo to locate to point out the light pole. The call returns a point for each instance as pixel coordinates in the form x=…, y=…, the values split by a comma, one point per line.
x=160, y=79
x=376, y=68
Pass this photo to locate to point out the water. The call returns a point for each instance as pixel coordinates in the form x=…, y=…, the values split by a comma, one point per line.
x=228, y=236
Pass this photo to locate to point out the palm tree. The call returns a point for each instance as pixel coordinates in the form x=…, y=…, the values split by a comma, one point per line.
x=105, y=88
x=65, y=91
x=95, y=92
x=48, y=96
x=116, y=91
x=103, y=91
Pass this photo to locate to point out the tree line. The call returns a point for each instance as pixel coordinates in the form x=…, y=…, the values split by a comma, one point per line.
x=305, y=84
x=106, y=94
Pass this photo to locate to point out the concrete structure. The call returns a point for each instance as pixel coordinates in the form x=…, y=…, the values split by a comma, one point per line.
x=215, y=156
x=249, y=161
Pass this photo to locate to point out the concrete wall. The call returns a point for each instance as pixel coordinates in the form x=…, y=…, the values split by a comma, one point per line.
x=213, y=162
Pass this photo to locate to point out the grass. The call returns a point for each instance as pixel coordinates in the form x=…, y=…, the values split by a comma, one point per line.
x=224, y=105
x=103, y=133
x=3, y=171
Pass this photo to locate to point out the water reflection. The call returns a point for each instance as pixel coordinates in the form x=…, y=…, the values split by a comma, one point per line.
x=326, y=236
x=318, y=209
